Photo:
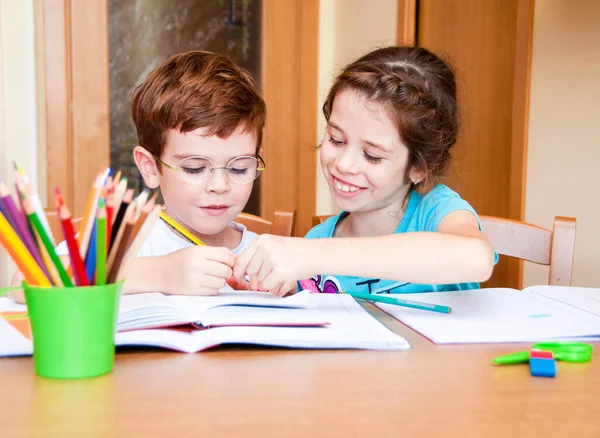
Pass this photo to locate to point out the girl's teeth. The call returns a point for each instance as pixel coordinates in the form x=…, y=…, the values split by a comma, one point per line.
x=345, y=188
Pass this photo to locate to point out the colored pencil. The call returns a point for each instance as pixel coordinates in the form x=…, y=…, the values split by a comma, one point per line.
x=90, y=257
x=142, y=198
x=39, y=229
x=21, y=227
x=112, y=254
x=145, y=211
x=27, y=188
x=121, y=249
x=127, y=201
x=182, y=231
x=399, y=301
x=81, y=278
x=101, y=223
x=89, y=218
x=120, y=191
x=138, y=241
x=14, y=246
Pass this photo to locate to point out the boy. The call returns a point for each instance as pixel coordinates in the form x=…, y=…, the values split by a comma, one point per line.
x=199, y=120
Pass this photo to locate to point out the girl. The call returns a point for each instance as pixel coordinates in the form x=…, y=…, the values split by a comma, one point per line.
x=392, y=118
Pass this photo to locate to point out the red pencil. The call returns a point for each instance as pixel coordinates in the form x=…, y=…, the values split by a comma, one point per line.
x=81, y=278
x=110, y=211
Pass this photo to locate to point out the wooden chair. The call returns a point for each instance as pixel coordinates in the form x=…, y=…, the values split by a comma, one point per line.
x=524, y=241
x=284, y=223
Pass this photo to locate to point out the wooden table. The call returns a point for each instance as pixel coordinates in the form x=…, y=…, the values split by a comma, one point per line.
x=433, y=391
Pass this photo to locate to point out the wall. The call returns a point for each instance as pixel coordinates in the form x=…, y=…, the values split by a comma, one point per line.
x=564, y=143
x=347, y=30
x=18, y=113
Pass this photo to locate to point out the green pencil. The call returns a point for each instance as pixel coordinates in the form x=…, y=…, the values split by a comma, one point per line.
x=399, y=301
x=39, y=228
x=101, y=244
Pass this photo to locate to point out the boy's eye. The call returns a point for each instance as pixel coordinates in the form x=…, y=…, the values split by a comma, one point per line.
x=335, y=141
x=194, y=170
x=372, y=158
x=237, y=171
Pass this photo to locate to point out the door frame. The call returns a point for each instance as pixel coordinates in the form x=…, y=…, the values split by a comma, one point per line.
x=78, y=123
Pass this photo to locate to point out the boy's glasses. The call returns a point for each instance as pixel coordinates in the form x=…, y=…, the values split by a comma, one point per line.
x=198, y=170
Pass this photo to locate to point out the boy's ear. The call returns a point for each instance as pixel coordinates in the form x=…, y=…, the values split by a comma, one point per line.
x=146, y=164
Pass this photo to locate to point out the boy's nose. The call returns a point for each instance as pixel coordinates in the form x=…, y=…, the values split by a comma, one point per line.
x=218, y=181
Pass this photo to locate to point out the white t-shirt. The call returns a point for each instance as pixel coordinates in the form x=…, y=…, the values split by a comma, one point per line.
x=162, y=240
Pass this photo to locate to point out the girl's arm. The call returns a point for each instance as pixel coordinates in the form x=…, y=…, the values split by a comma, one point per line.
x=458, y=252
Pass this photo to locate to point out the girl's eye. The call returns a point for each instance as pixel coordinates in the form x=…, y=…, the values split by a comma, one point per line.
x=372, y=159
x=194, y=170
x=335, y=141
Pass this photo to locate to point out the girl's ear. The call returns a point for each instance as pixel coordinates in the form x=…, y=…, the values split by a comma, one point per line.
x=146, y=164
x=416, y=176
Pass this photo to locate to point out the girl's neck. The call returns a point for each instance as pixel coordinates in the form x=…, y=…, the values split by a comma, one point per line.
x=372, y=223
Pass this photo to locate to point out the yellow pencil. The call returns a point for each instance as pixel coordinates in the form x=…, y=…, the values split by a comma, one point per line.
x=22, y=258
x=185, y=233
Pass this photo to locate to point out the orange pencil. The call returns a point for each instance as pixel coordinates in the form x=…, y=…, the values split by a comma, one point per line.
x=144, y=214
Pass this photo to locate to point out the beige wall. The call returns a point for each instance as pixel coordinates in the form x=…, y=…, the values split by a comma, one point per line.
x=18, y=116
x=347, y=29
x=564, y=137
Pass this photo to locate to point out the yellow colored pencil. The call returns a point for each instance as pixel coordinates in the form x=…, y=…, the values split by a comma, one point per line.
x=185, y=233
x=31, y=270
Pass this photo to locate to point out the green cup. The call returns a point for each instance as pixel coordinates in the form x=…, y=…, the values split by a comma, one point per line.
x=73, y=329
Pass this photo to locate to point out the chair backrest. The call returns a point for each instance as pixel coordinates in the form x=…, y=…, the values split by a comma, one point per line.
x=284, y=223
x=524, y=241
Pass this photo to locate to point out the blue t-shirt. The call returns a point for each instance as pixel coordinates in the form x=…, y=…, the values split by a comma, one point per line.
x=423, y=213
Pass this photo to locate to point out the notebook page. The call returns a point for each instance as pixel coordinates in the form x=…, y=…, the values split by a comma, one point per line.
x=584, y=298
x=351, y=327
x=495, y=315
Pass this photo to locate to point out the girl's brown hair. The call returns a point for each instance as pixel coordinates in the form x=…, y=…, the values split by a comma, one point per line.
x=194, y=90
x=418, y=91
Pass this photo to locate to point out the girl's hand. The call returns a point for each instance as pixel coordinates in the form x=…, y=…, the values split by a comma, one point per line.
x=276, y=262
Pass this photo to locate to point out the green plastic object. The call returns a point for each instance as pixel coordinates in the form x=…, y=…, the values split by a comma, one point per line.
x=73, y=329
x=565, y=351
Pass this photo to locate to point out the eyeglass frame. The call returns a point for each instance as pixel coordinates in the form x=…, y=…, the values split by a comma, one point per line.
x=212, y=169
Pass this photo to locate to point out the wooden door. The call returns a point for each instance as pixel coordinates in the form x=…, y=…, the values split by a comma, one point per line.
x=77, y=101
x=489, y=44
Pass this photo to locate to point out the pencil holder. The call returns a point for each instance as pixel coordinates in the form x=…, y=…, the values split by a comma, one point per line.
x=73, y=329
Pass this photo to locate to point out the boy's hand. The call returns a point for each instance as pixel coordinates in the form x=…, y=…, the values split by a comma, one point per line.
x=276, y=262
x=200, y=270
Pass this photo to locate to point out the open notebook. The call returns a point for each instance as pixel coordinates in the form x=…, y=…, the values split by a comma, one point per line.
x=349, y=327
x=505, y=315
x=229, y=308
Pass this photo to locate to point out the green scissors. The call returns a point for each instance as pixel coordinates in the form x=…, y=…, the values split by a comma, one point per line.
x=565, y=351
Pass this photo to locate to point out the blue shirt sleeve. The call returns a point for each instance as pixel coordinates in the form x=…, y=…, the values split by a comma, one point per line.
x=437, y=204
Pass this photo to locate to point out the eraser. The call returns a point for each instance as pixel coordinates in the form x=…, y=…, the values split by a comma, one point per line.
x=541, y=354
x=542, y=367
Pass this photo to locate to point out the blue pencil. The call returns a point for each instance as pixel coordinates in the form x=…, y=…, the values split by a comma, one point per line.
x=399, y=301
x=90, y=257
